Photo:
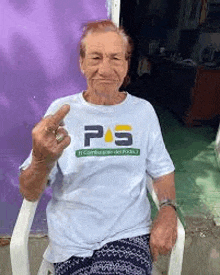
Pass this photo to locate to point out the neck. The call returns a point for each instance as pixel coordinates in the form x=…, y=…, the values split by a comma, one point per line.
x=100, y=98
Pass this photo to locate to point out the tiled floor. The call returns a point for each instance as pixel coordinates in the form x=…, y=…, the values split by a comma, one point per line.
x=197, y=174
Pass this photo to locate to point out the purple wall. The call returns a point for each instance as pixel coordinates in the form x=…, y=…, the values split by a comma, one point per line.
x=38, y=63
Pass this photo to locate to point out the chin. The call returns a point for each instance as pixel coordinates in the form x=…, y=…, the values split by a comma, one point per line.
x=106, y=88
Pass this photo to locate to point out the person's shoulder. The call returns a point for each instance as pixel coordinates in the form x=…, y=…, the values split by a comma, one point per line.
x=59, y=102
x=142, y=103
x=66, y=99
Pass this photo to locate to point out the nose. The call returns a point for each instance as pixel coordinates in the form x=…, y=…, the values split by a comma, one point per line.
x=105, y=67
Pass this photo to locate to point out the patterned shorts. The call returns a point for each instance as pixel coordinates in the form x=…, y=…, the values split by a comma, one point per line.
x=129, y=256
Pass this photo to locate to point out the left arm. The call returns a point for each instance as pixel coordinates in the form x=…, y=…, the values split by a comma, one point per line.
x=165, y=187
x=164, y=229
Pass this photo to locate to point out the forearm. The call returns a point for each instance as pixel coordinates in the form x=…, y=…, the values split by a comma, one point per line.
x=33, y=180
x=164, y=227
x=165, y=187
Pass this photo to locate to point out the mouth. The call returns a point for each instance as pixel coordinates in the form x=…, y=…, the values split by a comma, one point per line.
x=105, y=80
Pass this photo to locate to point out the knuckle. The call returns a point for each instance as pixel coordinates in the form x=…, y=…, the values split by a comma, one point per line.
x=62, y=130
x=35, y=136
x=53, y=151
x=66, y=132
x=50, y=123
x=48, y=117
x=34, y=131
x=67, y=141
x=53, y=154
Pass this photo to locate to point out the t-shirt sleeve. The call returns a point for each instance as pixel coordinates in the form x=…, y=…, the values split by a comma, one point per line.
x=158, y=160
x=50, y=111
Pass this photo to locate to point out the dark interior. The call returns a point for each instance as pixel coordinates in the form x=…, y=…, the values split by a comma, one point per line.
x=177, y=74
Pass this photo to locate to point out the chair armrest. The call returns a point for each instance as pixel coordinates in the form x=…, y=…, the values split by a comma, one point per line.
x=176, y=257
x=19, y=240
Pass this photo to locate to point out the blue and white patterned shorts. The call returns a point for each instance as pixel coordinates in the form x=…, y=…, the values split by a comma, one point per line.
x=129, y=256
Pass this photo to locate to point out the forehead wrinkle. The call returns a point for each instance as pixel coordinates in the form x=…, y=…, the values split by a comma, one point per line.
x=96, y=41
x=100, y=49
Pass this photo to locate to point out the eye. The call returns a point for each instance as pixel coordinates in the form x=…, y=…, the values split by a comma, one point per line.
x=116, y=58
x=96, y=57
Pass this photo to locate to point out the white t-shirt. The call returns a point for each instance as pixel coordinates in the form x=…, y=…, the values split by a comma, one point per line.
x=99, y=182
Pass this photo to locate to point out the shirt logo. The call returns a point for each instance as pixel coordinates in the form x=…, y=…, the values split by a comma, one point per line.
x=121, y=136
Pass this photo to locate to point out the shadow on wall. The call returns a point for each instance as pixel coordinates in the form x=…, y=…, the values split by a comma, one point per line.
x=22, y=6
x=38, y=63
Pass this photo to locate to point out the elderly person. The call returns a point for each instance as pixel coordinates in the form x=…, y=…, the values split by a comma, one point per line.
x=95, y=149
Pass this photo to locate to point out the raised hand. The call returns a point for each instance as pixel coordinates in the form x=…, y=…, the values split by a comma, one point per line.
x=49, y=138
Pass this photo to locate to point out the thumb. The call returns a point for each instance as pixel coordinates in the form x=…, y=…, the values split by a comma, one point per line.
x=154, y=252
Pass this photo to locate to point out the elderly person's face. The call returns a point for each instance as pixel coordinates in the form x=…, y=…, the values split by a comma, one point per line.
x=104, y=65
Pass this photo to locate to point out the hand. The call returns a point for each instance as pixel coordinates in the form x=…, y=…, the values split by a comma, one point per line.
x=46, y=148
x=164, y=232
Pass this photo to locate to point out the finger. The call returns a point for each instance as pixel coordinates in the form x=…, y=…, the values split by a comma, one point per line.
x=64, y=143
x=59, y=137
x=48, y=128
x=60, y=134
x=62, y=123
x=44, y=126
x=174, y=239
x=169, y=244
x=58, y=117
x=50, y=123
x=155, y=254
x=61, y=130
x=154, y=251
x=42, y=122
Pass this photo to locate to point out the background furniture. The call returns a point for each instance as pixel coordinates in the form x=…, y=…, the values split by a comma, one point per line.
x=191, y=92
x=168, y=84
x=205, y=97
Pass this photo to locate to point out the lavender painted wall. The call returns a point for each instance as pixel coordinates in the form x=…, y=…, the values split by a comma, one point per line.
x=38, y=63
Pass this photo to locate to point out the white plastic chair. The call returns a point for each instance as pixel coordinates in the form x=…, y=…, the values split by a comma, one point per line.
x=217, y=146
x=20, y=236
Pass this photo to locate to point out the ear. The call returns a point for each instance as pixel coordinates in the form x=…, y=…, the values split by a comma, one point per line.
x=81, y=64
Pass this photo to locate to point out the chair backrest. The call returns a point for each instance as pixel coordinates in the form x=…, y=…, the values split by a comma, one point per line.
x=19, y=241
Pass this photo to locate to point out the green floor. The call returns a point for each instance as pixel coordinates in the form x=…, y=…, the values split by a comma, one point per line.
x=197, y=176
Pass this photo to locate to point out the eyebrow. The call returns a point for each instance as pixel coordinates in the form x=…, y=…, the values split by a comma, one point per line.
x=112, y=54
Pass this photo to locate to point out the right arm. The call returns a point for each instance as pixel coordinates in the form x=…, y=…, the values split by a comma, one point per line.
x=46, y=151
x=33, y=181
